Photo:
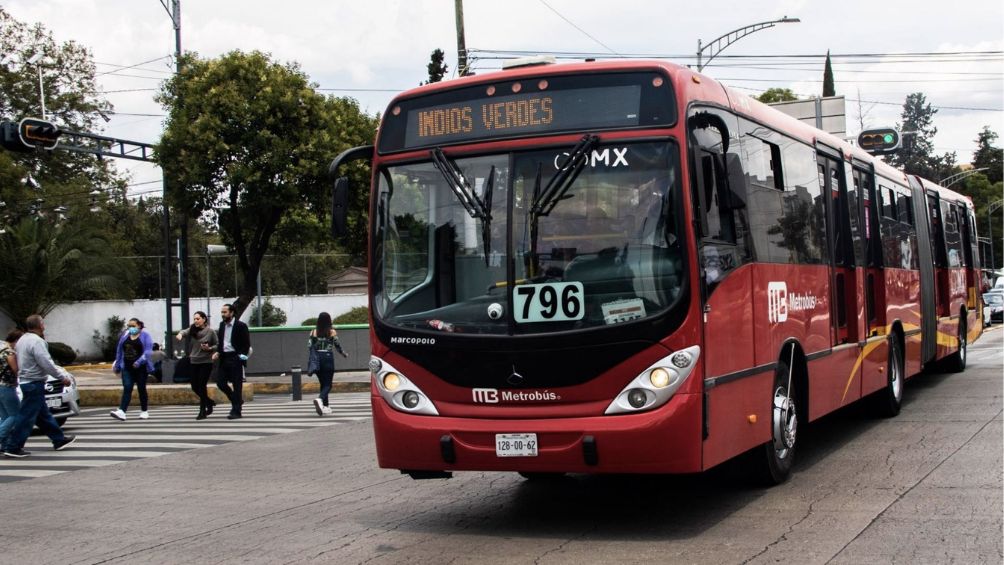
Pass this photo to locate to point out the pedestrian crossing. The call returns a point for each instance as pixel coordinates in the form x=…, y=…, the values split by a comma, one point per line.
x=102, y=440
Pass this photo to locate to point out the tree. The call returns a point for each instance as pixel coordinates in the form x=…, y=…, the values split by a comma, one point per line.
x=989, y=156
x=917, y=154
x=44, y=180
x=249, y=140
x=49, y=263
x=772, y=95
x=828, y=88
x=437, y=68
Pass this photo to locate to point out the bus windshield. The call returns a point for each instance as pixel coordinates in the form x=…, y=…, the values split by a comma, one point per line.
x=604, y=249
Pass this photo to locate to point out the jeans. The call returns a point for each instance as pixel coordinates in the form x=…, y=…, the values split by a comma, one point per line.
x=200, y=378
x=130, y=376
x=9, y=407
x=33, y=412
x=325, y=374
x=231, y=373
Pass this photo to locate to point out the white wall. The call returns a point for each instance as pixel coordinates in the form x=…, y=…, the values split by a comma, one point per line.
x=74, y=324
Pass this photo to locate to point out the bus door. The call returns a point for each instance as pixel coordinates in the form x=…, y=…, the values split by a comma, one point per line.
x=942, y=289
x=874, y=284
x=843, y=288
x=970, y=255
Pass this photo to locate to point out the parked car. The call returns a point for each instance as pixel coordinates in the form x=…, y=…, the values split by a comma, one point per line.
x=993, y=310
x=63, y=401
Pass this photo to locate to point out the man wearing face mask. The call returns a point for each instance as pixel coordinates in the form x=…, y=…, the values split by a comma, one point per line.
x=232, y=352
x=132, y=362
x=34, y=366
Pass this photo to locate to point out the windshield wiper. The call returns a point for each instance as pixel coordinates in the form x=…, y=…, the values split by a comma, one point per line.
x=545, y=200
x=461, y=187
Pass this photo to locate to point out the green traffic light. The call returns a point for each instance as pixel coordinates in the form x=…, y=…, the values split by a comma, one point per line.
x=887, y=138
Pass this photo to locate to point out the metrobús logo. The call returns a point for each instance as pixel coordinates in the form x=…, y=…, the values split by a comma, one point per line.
x=413, y=340
x=780, y=302
x=495, y=396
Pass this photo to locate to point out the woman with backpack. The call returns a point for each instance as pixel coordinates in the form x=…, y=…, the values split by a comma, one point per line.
x=322, y=344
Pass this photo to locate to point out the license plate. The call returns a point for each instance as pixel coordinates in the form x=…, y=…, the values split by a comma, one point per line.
x=53, y=402
x=516, y=445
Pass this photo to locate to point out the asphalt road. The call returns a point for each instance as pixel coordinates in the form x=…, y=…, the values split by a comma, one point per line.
x=925, y=487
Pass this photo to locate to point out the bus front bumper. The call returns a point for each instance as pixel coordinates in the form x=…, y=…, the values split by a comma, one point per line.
x=664, y=440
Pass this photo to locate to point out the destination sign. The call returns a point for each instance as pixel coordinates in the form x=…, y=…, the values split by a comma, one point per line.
x=571, y=103
x=614, y=106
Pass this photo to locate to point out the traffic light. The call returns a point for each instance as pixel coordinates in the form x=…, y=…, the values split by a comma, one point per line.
x=878, y=141
x=38, y=133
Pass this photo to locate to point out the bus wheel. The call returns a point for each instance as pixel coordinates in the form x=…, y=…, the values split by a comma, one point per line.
x=956, y=362
x=778, y=454
x=887, y=402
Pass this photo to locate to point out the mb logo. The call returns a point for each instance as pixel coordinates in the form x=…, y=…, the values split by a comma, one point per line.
x=486, y=395
x=777, y=302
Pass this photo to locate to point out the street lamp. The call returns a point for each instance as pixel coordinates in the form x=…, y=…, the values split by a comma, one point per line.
x=718, y=45
x=211, y=250
x=36, y=60
x=947, y=182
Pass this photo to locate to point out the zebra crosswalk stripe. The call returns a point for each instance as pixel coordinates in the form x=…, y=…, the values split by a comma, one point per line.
x=102, y=441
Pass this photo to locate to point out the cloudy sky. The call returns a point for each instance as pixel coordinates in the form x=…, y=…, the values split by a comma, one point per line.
x=372, y=49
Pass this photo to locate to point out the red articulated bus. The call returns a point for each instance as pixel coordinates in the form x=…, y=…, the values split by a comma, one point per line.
x=627, y=267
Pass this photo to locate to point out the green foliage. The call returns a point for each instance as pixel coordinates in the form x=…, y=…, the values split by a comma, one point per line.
x=917, y=155
x=109, y=342
x=772, y=95
x=271, y=315
x=358, y=315
x=41, y=181
x=309, y=322
x=48, y=263
x=988, y=156
x=249, y=140
x=61, y=353
x=436, y=67
x=828, y=87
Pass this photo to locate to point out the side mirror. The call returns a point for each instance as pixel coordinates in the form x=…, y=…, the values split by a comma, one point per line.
x=340, y=208
x=340, y=193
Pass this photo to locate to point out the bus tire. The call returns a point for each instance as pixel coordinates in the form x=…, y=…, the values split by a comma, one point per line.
x=887, y=402
x=956, y=362
x=777, y=456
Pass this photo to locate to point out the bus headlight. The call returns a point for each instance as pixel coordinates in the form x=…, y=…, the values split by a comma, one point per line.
x=656, y=384
x=399, y=392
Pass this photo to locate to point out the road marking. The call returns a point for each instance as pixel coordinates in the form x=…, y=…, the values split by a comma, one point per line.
x=102, y=441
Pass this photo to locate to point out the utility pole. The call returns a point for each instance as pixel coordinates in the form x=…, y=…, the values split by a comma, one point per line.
x=462, y=64
x=174, y=12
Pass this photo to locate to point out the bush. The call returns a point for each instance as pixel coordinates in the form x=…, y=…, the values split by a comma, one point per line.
x=309, y=322
x=271, y=315
x=107, y=343
x=358, y=315
x=62, y=354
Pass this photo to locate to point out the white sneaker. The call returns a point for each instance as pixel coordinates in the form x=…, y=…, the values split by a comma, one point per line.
x=326, y=410
x=118, y=415
x=319, y=406
x=144, y=415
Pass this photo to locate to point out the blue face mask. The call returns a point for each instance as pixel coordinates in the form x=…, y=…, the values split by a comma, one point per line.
x=133, y=331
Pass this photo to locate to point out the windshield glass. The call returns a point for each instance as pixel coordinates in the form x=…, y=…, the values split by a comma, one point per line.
x=596, y=247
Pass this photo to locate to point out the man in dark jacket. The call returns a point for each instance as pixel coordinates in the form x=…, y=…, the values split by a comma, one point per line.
x=232, y=352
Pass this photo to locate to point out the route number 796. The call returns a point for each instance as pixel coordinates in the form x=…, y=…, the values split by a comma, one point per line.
x=548, y=302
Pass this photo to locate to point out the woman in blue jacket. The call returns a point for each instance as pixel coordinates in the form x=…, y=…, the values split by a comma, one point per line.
x=132, y=361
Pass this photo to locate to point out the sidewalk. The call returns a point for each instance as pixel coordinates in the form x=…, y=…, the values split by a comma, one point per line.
x=99, y=386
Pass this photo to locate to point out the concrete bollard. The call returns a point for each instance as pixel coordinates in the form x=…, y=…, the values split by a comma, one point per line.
x=297, y=384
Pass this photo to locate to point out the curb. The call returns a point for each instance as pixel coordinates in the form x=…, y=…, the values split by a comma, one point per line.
x=159, y=395
x=311, y=388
